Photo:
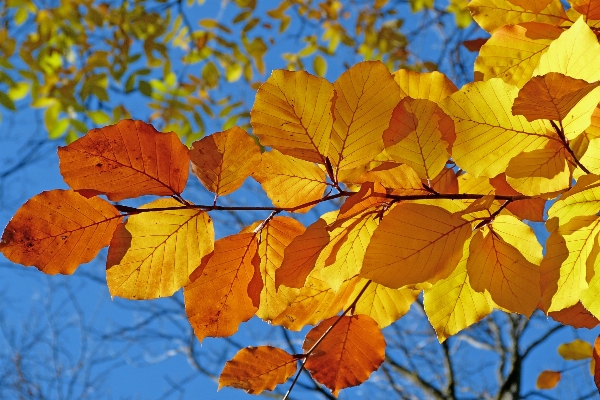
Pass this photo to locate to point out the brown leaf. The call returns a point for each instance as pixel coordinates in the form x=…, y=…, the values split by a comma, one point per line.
x=126, y=160
x=59, y=230
x=255, y=369
x=475, y=44
x=349, y=353
x=596, y=357
x=548, y=379
x=576, y=316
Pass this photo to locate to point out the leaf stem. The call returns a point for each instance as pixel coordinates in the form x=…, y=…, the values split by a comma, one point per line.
x=561, y=134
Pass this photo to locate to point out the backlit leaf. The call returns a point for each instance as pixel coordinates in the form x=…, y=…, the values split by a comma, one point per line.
x=401, y=179
x=153, y=253
x=488, y=136
x=492, y=14
x=351, y=351
x=415, y=234
x=433, y=86
x=576, y=350
x=125, y=160
x=531, y=209
x=255, y=369
x=288, y=181
x=292, y=113
x=589, y=8
x=59, y=230
x=548, y=379
x=223, y=160
x=596, y=358
x=583, y=199
x=577, y=316
x=361, y=114
x=219, y=297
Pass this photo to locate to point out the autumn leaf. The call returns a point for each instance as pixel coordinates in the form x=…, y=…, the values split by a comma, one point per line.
x=577, y=316
x=400, y=179
x=433, y=86
x=125, y=160
x=548, y=380
x=576, y=350
x=589, y=8
x=531, y=209
x=415, y=234
x=369, y=196
x=58, y=230
x=219, y=297
x=290, y=182
x=596, y=357
x=581, y=200
x=256, y=369
x=492, y=14
x=349, y=353
x=153, y=253
x=488, y=136
x=360, y=114
x=292, y=114
x=223, y=160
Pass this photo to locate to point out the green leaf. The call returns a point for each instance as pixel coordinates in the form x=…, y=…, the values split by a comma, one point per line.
x=145, y=88
x=7, y=102
x=319, y=65
x=59, y=128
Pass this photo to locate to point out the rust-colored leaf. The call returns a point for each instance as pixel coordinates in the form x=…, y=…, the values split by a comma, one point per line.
x=548, y=380
x=58, y=230
x=596, y=357
x=126, y=160
x=223, y=160
x=349, y=353
x=589, y=8
x=474, y=45
x=576, y=316
x=220, y=296
x=256, y=369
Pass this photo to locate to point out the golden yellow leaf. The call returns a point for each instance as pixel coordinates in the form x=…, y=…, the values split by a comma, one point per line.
x=445, y=182
x=126, y=160
x=290, y=182
x=591, y=158
x=484, y=203
x=351, y=351
x=514, y=51
x=577, y=316
x=531, y=209
x=551, y=96
x=548, y=379
x=292, y=113
x=153, y=254
x=410, y=235
x=564, y=267
x=361, y=114
x=272, y=242
x=223, y=160
x=381, y=303
x=596, y=362
x=452, y=305
x=540, y=171
x=493, y=14
x=583, y=199
x=590, y=297
x=576, y=350
x=496, y=266
x=59, y=230
x=256, y=369
x=420, y=135
x=519, y=235
x=369, y=196
x=433, y=86
x=488, y=136
x=222, y=293
x=300, y=255
x=400, y=179
x=575, y=53
x=589, y=8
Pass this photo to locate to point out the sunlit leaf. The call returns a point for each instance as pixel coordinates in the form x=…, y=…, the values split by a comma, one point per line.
x=433, y=86
x=125, y=160
x=589, y=8
x=576, y=350
x=256, y=369
x=596, y=358
x=351, y=351
x=58, y=230
x=401, y=179
x=582, y=200
x=153, y=253
x=577, y=316
x=548, y=379
x=492, y=14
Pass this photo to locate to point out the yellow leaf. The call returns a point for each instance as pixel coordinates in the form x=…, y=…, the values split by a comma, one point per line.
x=583, y=199
x=381, y=303
x=591, y=157
x=492, y=14
x=452, y=305
x=488, y=136
x=445, y=182
x=590, y=297
x=575, y=53
x=401, y=179
x=420, y=135
x=540, y=171
x=531, y=209
x=495, y=266
x=222, y=293
x=548, y=379
x=58, y=230
x=410, y=235
x=575, y=350
x=223, y=160
x=361, y=114
x=153, y=253
x=292, y=113
x=514, y=51
x=369, y=196
x=255, y=369
x=290, y=182
x=564, y=268
x=433, y=86
x=520, y=236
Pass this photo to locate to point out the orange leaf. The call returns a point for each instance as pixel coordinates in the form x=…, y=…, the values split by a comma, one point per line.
x=126, y=160
x=223, y=160
x=219, y=297
x=474, y=45
x=399, y=178
x=548, y=379
x=596, y=357
x=589, y=8
x=292, y=113
x=370, y=195
x=153, y=253
x=255, y=369
x=349, y=353
x=551, y=96
x=576, y=316
x=532, y=209
x=59, y=230
x=445, y=182
x=361, y=114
